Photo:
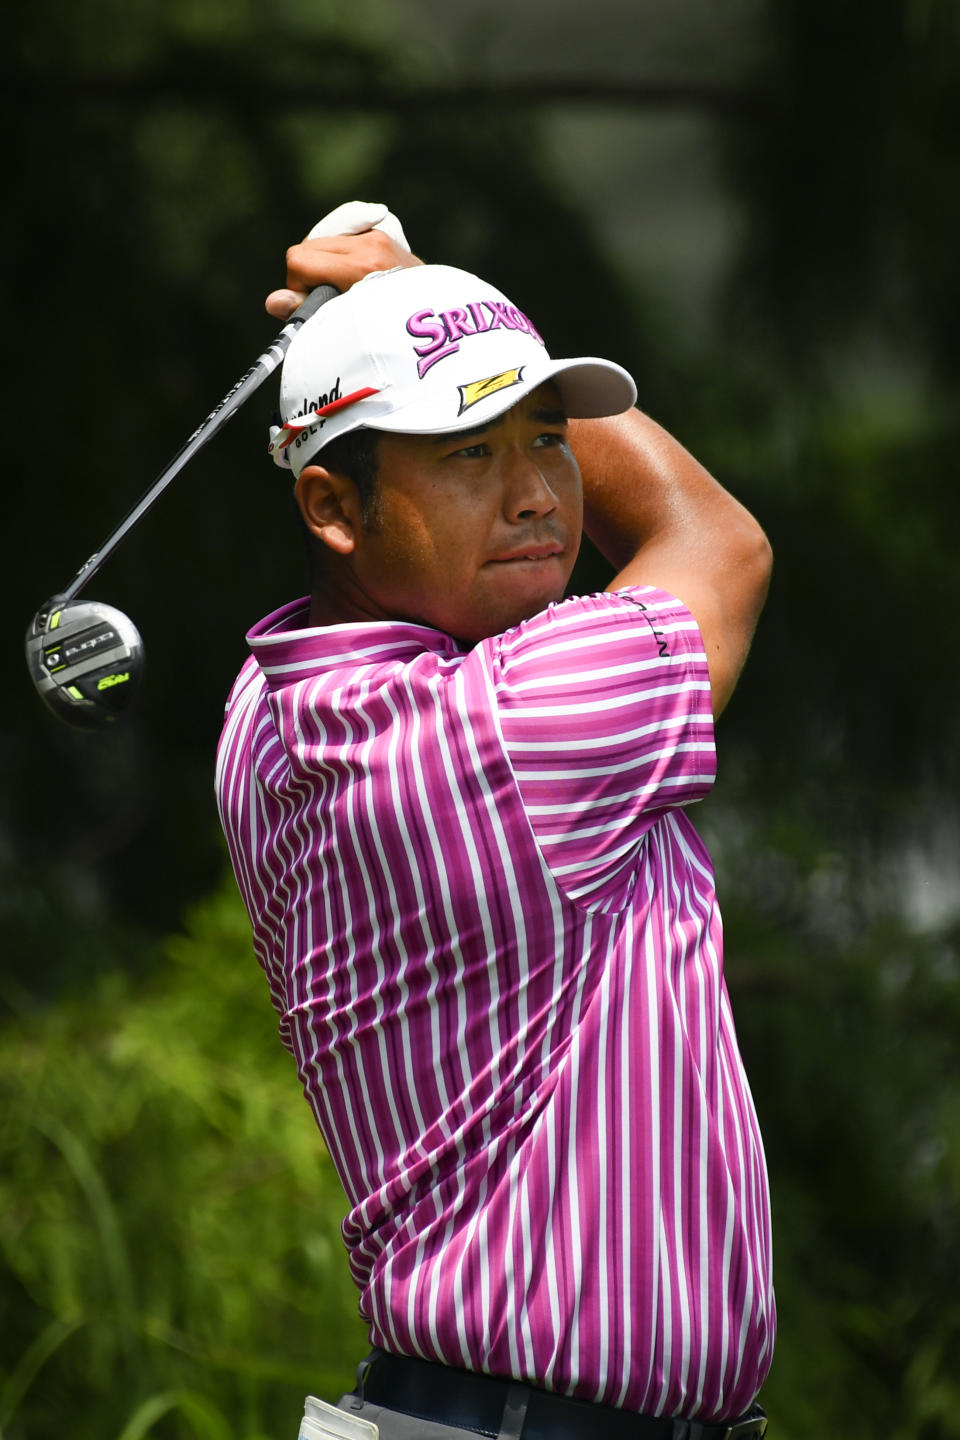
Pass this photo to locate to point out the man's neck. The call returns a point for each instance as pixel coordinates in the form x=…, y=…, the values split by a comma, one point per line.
x=334, y=604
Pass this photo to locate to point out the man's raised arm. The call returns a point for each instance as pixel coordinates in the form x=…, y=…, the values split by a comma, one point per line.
x=656, y=514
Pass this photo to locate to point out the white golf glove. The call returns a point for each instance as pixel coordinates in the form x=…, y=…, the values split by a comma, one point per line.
x=354, y=218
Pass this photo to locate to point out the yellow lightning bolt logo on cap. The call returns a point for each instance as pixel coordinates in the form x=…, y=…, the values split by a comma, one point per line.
x=479, y=389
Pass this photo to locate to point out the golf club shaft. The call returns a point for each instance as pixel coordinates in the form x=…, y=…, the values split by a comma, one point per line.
x=228, y=406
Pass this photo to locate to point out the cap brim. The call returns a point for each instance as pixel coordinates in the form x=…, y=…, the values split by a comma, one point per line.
x=589, y=388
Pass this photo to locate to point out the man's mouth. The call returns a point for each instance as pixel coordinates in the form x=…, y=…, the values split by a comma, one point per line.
x=528, y=553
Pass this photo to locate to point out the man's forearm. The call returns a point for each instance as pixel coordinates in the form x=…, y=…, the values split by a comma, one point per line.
x=643, y=489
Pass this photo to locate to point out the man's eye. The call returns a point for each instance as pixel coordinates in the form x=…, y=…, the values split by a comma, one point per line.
x=472, y=452
x=550, y=438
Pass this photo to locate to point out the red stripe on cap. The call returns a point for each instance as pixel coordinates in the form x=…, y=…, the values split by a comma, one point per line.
x=304, y=424
x=346, y=400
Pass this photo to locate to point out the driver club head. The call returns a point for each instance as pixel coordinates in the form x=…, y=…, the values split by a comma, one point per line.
x=86, y=661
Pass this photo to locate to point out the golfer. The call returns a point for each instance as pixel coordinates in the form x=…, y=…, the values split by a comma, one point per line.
x=456, y=802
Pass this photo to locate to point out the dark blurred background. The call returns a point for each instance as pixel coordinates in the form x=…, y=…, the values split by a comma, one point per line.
x=755, y=208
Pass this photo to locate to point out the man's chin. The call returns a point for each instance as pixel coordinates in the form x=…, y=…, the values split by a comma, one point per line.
x=508, y=616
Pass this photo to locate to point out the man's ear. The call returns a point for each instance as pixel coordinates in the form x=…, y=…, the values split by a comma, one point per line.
x=330, y=507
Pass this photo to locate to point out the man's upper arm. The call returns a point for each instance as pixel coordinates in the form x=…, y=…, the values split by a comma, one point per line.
x=661, y=519
x=726, y=607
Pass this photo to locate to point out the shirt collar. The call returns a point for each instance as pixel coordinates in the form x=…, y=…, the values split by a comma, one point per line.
x=288, y=649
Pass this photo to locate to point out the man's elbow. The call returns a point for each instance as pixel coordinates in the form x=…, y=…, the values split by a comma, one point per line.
x=755, y=566
x=763, y=558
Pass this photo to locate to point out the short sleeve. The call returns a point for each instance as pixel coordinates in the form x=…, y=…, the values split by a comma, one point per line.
x=605, y=712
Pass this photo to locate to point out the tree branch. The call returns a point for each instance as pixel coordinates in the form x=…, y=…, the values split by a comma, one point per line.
x=218, y=88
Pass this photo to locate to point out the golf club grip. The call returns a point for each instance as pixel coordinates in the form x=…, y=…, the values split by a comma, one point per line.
x=236, y=396
x=314, y=300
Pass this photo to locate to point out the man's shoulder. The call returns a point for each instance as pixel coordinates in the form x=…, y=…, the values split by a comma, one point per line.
x=639, y=623
x=602, y=608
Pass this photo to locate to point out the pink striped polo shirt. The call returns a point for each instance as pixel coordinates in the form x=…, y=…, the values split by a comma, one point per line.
x=491, y=935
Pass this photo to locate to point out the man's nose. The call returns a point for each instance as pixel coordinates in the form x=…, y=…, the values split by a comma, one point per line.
x=527, y=492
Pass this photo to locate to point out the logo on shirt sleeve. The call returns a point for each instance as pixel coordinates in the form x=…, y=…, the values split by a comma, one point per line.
x=478, y=390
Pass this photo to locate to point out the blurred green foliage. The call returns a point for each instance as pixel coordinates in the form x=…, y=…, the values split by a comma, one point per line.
x=168, y=1215
x=849, y=1034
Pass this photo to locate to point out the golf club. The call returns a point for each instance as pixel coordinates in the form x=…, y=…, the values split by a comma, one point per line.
x=86, y=659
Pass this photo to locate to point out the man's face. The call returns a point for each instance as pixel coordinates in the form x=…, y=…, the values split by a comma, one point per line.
x=476, y=530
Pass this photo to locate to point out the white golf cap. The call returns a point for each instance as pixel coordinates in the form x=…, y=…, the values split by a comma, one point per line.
x=422, y=351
